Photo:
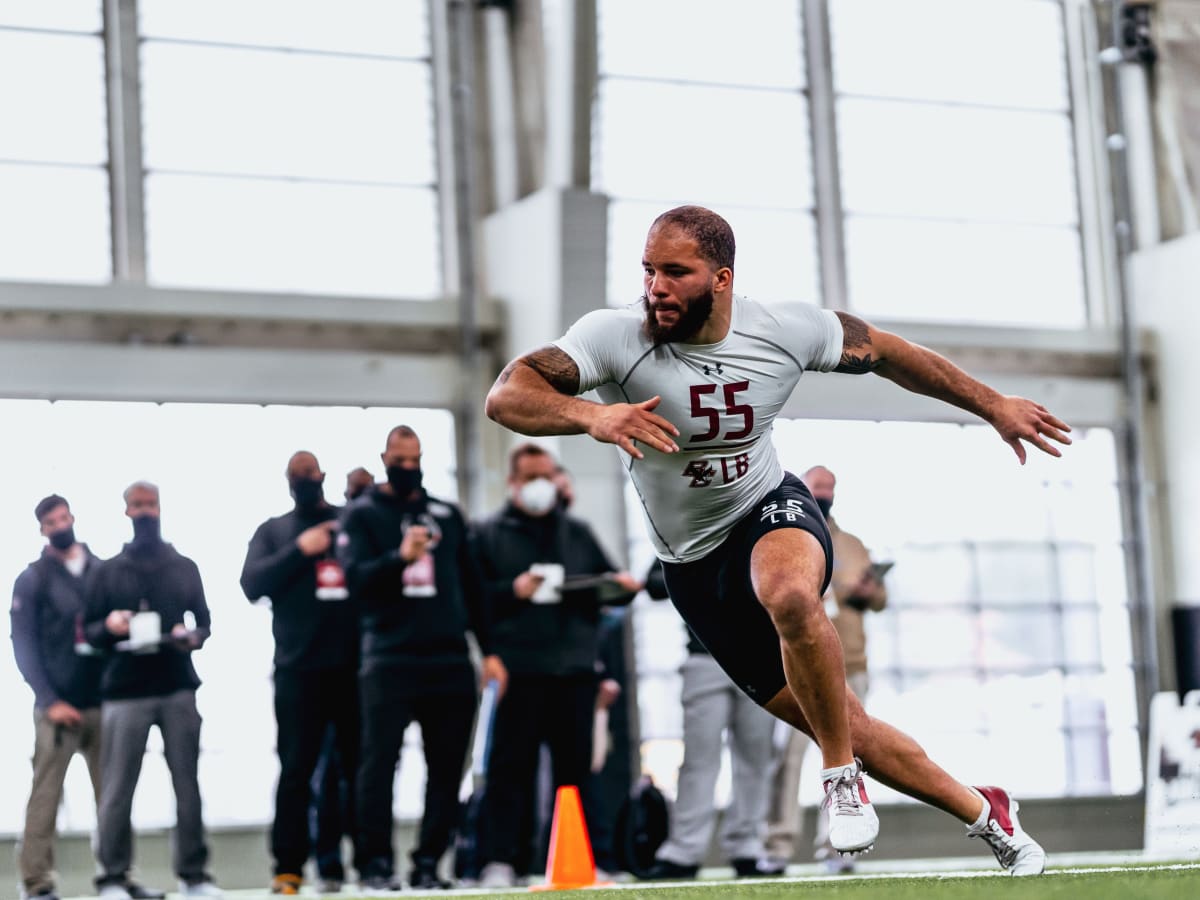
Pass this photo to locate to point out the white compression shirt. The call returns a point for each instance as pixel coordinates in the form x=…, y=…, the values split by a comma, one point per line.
x=722, y=397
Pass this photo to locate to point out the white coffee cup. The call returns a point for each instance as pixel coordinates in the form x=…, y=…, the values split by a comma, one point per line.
x=145, y=629
x=552, y=579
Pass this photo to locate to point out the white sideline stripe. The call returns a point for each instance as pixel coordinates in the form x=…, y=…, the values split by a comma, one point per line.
x=716, y=883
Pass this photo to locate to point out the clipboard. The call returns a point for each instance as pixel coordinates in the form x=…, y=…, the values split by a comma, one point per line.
x=605, y=585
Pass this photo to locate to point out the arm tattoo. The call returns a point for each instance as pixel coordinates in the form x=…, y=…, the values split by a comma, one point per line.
x=556, y=367
x=857, y=358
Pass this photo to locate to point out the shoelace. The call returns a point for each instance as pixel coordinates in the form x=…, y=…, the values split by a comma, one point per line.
x=841, y=792
x=1003, y=846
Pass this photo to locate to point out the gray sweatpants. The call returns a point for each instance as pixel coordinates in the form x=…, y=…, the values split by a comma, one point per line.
x=713, y=706
x=125, y=726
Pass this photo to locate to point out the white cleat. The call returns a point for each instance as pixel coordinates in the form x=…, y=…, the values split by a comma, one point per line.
x=853, y=825
x=1017, y=853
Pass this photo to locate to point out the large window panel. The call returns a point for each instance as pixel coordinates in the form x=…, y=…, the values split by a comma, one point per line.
x=52, y=101
x=987, y=52
x=374, y=27
x=54, y=224
x=984, y=274
x=776, y=251
x=279, y=236
x=262, y=112
x=703, y=40
x=655, y=144
x=922, y=160
x=60, y=15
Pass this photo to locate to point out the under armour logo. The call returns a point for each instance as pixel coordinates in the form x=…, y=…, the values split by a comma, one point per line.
x=709, y=370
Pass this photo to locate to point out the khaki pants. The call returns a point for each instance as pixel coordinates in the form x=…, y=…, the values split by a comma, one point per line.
x=54, y=745
x=783, y=817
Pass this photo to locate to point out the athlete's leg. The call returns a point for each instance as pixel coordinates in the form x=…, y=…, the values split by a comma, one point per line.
x=892, y=757
x=787, y=568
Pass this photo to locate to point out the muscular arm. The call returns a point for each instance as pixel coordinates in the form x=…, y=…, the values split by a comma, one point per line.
x=535, y=395
x=920, y=370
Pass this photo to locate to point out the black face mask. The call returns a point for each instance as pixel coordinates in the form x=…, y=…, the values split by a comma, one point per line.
x=63, y=540
x=309, y=492
x=403, y=481
x=147, y=531
x=826, y=504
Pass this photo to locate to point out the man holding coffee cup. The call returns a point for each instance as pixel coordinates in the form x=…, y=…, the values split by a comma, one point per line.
x=545, y=633
x=136, y=606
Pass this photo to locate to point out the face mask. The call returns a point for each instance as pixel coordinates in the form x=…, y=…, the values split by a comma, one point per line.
x=147, y=530
x=537, y=497
x=403, y=481
x=309, y=492
x=63, y=540
x=826, y=504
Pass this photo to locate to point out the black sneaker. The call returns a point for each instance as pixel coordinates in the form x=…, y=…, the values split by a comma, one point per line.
x=141, y=892
x=381, y=883
x=426, y=878
x=753, y=867
x=665, y=870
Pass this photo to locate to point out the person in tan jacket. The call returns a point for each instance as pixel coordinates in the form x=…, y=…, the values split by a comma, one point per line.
x=854, y=590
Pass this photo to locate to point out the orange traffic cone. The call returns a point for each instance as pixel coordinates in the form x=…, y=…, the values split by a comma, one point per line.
x=570, y=864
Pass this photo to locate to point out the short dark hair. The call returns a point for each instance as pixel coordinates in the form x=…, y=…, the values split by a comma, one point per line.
x=712, y=234
x=527, y=449
x=48, y=504
x=400, y=431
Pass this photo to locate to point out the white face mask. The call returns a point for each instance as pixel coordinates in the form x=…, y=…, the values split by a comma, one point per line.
x=537, y=497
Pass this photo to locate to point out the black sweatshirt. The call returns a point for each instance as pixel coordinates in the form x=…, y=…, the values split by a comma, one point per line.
x=169, y=583
x=310, y=634
x=541, y=638
x=421, y=638
x=47, y=606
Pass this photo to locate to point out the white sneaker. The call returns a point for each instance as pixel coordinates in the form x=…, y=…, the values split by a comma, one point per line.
x=201, y=889
x=853, y=825
x=114, y=892
x=1017, y=853
x=497, y=875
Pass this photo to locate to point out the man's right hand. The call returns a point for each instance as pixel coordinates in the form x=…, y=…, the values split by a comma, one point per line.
x=318, y=539
x=526, y=584
x=117, y=622
x=624, y=423
x=415, y=543
x=60, y=712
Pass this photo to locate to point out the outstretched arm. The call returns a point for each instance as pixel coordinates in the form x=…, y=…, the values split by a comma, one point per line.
x=868, y=349
x=535, y=395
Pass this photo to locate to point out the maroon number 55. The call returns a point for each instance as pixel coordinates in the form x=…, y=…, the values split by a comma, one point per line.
x=713, y=416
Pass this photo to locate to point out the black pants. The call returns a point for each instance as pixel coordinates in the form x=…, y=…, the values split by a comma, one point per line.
x=329, y=816
x=306, y=705
x=445, y=720
x=555, y=710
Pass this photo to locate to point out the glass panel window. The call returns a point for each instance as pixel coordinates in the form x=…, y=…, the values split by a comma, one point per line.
x=59, y=15
x=277, y=236
x=370, y=27
x=54, y=224
x=985, y=274
x=757, y=156
x=703, y=40
x=52, y=100
x=1003, y=52
x=950, y=162
x=257, y=112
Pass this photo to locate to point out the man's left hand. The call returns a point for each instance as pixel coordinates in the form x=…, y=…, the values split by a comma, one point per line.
x=1018, y=419
x=493, y=669
x=628, y=582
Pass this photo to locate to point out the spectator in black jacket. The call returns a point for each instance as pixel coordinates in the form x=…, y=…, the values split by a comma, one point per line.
x=409, y=567
x=136, y=606
x=47, y=620
x=546, y=636
x=291, y=560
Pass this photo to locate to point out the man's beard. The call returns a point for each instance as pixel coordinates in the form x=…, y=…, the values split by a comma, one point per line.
x=690, y=320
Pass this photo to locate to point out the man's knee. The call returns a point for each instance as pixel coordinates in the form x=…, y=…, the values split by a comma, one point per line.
x=793, y=606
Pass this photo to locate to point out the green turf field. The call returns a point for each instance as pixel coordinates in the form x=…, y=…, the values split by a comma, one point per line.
x=1179, y=882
